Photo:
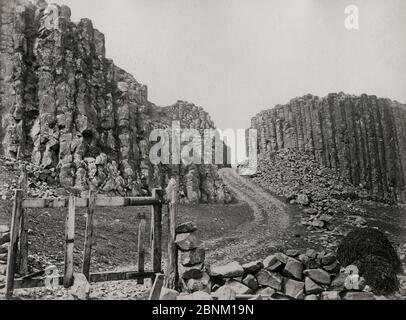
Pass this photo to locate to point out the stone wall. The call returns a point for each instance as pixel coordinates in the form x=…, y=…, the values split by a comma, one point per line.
x=64, y=105
x=292, y=275
x=362, y=137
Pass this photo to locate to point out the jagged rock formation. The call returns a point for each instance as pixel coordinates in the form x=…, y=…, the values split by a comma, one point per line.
x=64, y=105
x=362, y=137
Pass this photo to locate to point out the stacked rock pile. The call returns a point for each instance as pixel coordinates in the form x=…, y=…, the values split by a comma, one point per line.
x=4, y=245
x=319, y=190
x=291, y=275
x=194, y=272
x=281, y=276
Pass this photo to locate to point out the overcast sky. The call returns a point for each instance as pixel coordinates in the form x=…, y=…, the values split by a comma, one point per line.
x=238, y=57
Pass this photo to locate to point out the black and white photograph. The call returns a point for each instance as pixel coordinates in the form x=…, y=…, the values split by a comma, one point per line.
x=217, y=151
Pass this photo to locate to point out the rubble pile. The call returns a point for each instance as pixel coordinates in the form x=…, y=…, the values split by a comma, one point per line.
x=320, y=191
x=293, y=274
x=40, y=182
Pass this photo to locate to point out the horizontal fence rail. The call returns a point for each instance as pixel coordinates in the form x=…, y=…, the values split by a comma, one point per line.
x=84, y=202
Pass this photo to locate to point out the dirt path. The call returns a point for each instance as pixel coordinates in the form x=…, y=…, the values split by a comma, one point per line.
x=260, y=236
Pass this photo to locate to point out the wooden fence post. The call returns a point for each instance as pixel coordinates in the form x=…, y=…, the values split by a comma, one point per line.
x=156, y=236
x=12, y=251
x=22, y=260
x=141, y=248
x=87, y=252
x=69, y=243
x=157, y=287
x=172, y=277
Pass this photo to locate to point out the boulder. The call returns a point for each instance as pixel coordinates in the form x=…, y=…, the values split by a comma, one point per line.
x=318, y=275
x=168, y=294
x=187, y=241
x=281, y=257
x=199, y=295
x=81, y=287
x=294, y=289
x=293, y=253
x=271, y=263
x=312, y=287
x=317, y=223
x=270, y=279
x=311, y=297
x=203, y=283
x=193, y=257
x=338, y=282
x=294, y=269
x=194, y=272
x=231, y=270
x=224, y=293
x=313, y=263
x=303, y=200
x=330, y=295
x=328, y=259
x=253, y=267
x=357, y=295
x=265, y=292
x=238, y=287
x=251, y=282
x=188, y=227
x=311, y=253
x=304, y=259
x=332, y=268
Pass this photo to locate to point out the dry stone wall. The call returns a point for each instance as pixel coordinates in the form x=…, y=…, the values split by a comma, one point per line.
x=362, y=137
x=290, y=275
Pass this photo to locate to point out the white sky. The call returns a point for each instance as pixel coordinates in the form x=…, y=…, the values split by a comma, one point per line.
x=238, y=57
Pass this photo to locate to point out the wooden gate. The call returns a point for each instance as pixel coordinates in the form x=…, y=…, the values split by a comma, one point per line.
x=18, y=250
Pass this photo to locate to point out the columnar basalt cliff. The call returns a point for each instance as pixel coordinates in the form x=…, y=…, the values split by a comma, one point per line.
x=362, y=137
x=69, y=109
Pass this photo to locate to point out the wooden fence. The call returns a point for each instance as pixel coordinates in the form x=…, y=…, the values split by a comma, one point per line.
x=18, y=250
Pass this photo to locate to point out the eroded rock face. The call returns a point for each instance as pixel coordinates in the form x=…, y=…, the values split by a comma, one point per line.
x=64, y=105
x=362, y=137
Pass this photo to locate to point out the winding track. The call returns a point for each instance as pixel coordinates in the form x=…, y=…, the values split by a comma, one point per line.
x=267, y=229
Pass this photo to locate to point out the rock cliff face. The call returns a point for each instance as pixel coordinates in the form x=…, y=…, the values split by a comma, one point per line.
x=69, y=109
x=363, y=138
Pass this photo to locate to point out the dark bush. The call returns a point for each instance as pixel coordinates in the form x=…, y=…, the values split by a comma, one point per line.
x=378, y=273
x=361, y=243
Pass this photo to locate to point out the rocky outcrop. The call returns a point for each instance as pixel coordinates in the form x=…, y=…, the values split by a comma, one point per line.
x=362, y=137
x=64, y=105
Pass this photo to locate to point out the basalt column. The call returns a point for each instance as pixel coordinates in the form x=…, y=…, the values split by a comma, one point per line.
x=362, y=137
